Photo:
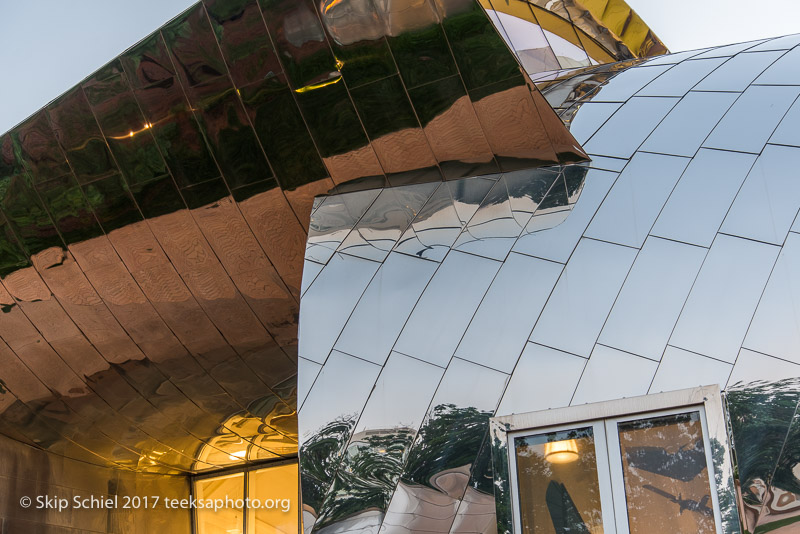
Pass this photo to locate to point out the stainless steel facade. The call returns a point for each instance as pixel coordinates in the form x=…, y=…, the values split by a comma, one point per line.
x=153, y=217
x=664, y=263
x=461, y=257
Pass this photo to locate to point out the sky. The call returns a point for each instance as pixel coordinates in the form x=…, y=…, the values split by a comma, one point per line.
x=691, y=24
x=48, y=46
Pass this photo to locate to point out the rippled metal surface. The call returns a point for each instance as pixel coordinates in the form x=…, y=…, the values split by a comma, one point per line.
x=764, y=420
x=153, y=218
x=395, y=296
x=663, y=264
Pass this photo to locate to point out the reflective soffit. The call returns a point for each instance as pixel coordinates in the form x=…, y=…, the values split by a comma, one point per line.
x=667, y=262
x=553, y=38
x=153, y=218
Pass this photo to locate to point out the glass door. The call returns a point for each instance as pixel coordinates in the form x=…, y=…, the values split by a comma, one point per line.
x=562, y=476
x=660, y=473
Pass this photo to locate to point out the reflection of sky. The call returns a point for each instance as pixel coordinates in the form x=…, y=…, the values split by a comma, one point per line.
x=50, y=45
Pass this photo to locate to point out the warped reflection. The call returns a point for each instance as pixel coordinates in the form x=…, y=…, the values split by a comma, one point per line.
x=153, y=218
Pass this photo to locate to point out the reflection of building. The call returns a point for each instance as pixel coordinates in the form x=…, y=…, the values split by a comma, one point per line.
x=461, y=259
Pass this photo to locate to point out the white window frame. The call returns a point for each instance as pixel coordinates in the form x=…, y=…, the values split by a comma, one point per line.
x=604, y=417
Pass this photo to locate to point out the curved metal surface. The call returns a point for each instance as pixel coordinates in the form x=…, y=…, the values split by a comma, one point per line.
x=667, y=264
x=553, y=38
x=152, y=219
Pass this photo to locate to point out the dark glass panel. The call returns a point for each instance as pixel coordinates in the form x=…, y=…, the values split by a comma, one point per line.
x=228, y=131
x=332, y=119
x=26, y=214
x=11, y=255
x=67, y=205
x=243, y=38
x=356, y=35
x=206, y=193
x=421, y=51
x=298, y=36
x=126, y=130
x=481, y=54
x=191, y=41
x=282, y=132
x=384, y=107
x=79, y=136
x=39, y=150
x=112, y=203
x=158, y=197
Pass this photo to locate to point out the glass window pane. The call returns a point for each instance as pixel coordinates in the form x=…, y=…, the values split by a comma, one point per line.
x=226, y=519
x=275, y=488
x=666, y=476
x=559, y=491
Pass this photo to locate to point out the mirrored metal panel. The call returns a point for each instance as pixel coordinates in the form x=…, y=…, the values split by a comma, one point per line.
x=360, y=492
x=439, y=462
x=681, y=78
x=554, y=236
x=753, y=366
x=652, y=298
x=702, y=110
x=738, y=72
x=698, y=204
x=439, y=223
x=762, y=414
x=577, y=309
x=775, y=329
x=763, y=210
x=591, y=117
x=612, y=374
x=672, y=372
x=723, y=299
x=329, y=302
x=632, y=205
x=788, y=132
x=443, y=312
x=505, y=317
x=629, y=82
x=380, y=315
x=624, y=132
x=555, y=373
x=754, y=117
